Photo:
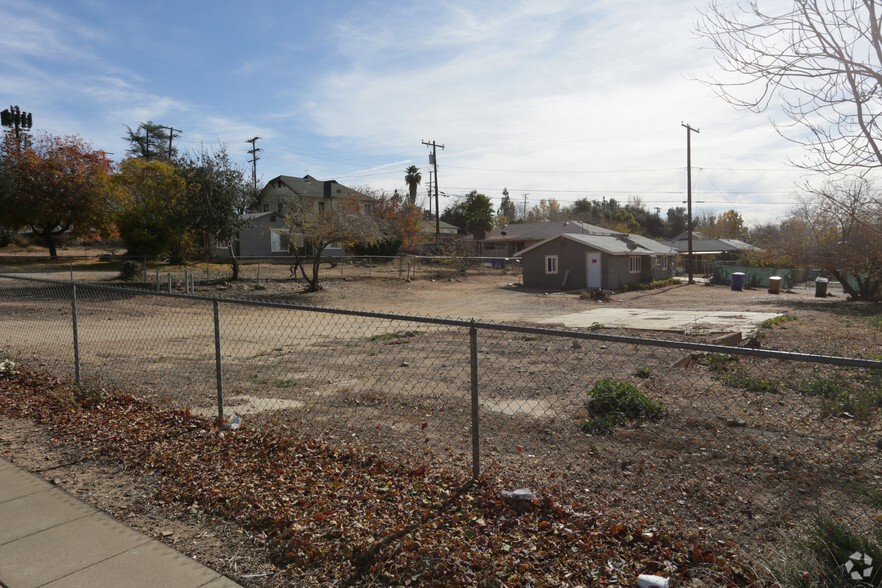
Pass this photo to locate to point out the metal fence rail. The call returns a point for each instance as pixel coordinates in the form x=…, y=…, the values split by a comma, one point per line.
x=755, y=438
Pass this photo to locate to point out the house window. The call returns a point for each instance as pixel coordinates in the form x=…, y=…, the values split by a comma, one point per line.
x=266, y=207
x=278, y=242
x=634, y=264
x=279, y=208
x=320, y=207
x=661, y=262
x=367, y=209
x=551, y=264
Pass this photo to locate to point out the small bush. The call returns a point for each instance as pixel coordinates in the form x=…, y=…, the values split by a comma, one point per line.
x=611, y=404
x=130, y=270
x=643, y=372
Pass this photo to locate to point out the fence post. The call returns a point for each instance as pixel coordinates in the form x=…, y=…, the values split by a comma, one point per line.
x=76, y=333
x=217, y=361
x=476, y=437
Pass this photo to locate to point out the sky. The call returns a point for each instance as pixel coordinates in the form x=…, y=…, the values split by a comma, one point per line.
x=551, y=99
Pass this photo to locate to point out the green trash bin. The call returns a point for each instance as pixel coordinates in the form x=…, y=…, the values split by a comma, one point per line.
x=821, y=287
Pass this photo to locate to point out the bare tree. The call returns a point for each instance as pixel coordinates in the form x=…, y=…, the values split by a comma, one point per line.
x=820, y=62
x=844, y=223
x=340, y=221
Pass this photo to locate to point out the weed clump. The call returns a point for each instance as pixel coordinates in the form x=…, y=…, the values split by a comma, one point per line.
x=612, y=404
x=831, y=555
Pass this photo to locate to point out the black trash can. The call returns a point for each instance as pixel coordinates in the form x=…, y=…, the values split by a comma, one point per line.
x=821, y=287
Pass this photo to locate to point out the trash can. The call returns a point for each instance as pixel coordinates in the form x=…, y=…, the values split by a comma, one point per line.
x=738, y=281
x=821, y=287
x=774, y=284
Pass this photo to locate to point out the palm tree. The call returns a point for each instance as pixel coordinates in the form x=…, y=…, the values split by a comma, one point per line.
x=412, y=179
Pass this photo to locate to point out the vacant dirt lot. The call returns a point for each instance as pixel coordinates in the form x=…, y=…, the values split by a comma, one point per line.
x=747, y=461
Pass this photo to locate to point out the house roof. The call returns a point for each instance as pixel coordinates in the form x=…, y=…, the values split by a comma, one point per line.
x=309, y=186
x=710, y=245
x=429, y=225
x=613, y=244
x=542, y=230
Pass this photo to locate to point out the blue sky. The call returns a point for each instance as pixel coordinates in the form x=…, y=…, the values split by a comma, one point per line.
x=551, y=99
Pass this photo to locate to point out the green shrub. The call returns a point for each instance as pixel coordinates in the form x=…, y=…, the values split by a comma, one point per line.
x=611, y=403
x=643, y=372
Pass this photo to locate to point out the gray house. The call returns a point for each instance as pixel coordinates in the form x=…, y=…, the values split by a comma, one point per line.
x=572, y=261
x=267, y=235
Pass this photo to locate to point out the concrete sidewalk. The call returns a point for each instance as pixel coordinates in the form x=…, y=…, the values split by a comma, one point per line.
x=50, y=538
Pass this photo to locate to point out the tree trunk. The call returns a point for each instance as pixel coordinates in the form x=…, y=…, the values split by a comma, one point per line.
x=46, y=236
x=234, y=262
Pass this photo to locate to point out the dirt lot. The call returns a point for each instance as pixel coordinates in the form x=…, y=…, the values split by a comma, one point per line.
x=747, y=464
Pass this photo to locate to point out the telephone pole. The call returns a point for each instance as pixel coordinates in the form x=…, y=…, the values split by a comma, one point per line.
x=171, y=135
x=253, y=151
x=525, y=207
x=433, y=159
x=689, y=131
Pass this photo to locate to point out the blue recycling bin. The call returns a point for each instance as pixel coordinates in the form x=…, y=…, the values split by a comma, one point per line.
x=738, y=281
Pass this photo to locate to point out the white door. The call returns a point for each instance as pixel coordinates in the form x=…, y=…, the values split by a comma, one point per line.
x=592, y=269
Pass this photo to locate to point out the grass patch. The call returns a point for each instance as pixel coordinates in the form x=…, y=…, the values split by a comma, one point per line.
x=869, y=495
x=731, y=373
x=831, y=555
x=858, y=395
x=778, y=320
x=876, y=322
x=612, y=404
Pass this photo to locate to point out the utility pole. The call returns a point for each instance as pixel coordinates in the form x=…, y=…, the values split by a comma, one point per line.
x=253, y=151
x=433, y=159
x=689, y=131
x=18, y=120
x=171, y=135
x=525, y=207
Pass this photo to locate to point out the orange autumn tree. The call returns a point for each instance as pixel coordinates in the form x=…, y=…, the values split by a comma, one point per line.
x=56, y=185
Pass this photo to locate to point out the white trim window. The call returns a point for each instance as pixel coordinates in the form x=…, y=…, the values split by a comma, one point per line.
x=279, y=241
x=661, y=262
x=551, y=264
x=635, y=264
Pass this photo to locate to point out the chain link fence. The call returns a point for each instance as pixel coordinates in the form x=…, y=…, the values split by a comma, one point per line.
x=161, y=275
x=739, y=440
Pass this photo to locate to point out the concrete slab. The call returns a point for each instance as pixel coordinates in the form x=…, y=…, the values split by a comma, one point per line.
x=683, y=321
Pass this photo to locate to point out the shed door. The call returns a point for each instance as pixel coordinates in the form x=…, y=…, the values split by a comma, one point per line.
x=592, y=270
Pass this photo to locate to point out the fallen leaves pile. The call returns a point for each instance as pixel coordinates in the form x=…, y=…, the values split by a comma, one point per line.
x=327, y=513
